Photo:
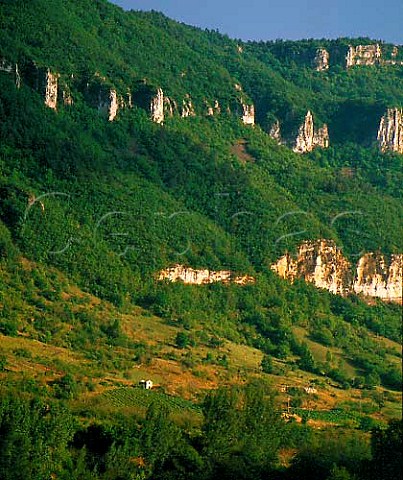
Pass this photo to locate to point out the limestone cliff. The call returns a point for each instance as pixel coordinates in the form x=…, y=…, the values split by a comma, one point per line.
x=170, y=107
x=319, y=262
x=390, y=132
x=213, y=110
x=275, y=132
x=248, y=116
x=321, y=137
x=157, y=107
x=67, y=96
x=109, y=103
x=322, y=263
x=376, y=277
x=113, y=105
x=371, y=55
x=51, y=89
x=199, y=277
x=321, y=60
x=363, y=55
x=41, y=79
x=187, y=107
x=308, y=138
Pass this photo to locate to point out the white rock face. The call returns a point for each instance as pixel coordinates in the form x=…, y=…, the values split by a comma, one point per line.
x=157, y=107
x=187, y=108
x=376, y=278
x=109, y=104
x=363, y=55
x=308, y=138
x=390, y=132
x=51, y=89
x=113, y=105
x=320, y=262
x=199, y=277
x=321, y=60
x=275, y=132
x=170, y=107
x=248, y=117
x=321, y=137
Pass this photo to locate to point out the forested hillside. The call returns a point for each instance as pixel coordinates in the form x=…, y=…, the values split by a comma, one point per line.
x=129, y=144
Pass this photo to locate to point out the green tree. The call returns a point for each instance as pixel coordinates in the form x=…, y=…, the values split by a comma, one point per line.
x=242, y=431
x=267, y=364
x=339, y=473
x=33, y=436
x=182, y=340
x=386, y=448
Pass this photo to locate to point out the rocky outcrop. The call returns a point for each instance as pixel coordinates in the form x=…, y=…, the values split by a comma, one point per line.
x=321, y=60
x=157, y=107
x=12, y=69
x=213, y=110
x=200, y=277
x=51, y=89
x=319, y=262
x=275, y=132
x=390, y=132
x=375, y=277
x=321, y=137
x=129, y=97
x=371, y=55
x=393, y=58
x=363, y=55
x=322, y=263
x=44, y=81
x=395, y=52
x=6, y=66
x=67, y=97
x=248, y=116
x=308, y=138
x=113, y=105
x=187, y=108
x=152, y=100
x=170, y=107
x=109, y=103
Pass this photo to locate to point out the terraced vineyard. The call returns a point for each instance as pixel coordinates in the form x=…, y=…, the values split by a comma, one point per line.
x=141, y=399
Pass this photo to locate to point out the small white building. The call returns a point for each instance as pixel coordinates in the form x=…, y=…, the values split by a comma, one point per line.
x=146, y=384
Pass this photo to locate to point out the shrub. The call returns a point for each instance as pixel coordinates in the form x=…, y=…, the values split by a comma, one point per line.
x=267, y=364
x=182, y=340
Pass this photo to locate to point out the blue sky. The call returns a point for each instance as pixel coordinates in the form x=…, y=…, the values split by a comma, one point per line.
x=287, y=19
